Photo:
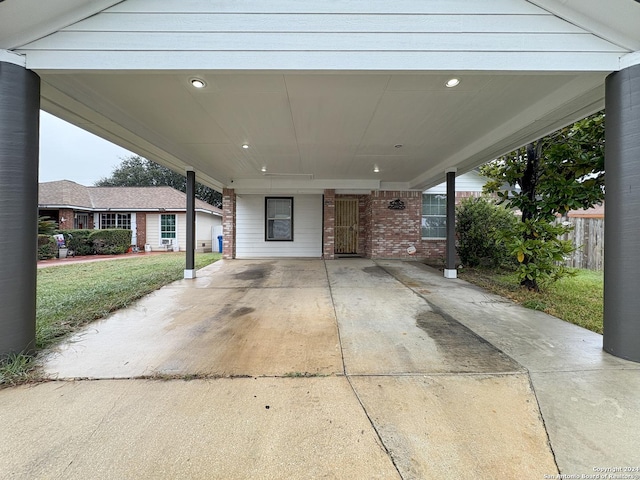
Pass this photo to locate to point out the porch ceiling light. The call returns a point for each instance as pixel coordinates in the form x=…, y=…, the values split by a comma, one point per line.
x=398, y=145
x=198, y=83
x=376, y=169
x=452, y=82
x=245, y=146
x=263, y=169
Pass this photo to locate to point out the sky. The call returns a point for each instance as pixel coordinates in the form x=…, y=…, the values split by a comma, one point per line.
x=70, y=153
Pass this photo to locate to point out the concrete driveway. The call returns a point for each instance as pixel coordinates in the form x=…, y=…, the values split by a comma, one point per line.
x=313, y=369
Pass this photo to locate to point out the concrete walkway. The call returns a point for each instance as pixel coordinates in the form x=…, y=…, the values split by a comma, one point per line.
x=311, y=369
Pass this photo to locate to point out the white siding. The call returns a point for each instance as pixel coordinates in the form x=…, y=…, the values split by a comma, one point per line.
x=289, y=34
x=467, y=182
x=153, y=230
x=307, y=228
x=204, y=229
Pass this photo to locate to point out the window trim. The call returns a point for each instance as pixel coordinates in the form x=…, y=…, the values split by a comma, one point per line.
x=160, y=238
x=266, y=220
x=118, y=217
x=440, y=216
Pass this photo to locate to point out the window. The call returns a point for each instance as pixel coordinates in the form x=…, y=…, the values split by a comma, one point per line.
x=434, y=215
x=115, y=220
x=279, y=219
x=167, y=226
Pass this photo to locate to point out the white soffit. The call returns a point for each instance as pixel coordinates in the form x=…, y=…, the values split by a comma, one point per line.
x=23, y=21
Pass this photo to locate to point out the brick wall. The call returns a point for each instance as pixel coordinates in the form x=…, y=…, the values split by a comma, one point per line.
x=391, y=231
x=329, y=222
x=228, y=223
x=141, y=230
x=67, y=214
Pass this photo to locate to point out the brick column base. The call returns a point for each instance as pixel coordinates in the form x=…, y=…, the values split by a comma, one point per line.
x=228, y=223
x=329, y=226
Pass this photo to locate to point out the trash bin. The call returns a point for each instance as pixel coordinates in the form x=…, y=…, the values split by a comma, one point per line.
x=220, y=243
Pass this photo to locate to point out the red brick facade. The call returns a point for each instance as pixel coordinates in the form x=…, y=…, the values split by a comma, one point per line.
x=329, y=219
x=141, y=230
x=228, y=223
x=392, y=231
x=65, y=219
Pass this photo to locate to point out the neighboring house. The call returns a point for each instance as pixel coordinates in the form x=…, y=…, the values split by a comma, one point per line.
x=156, y=215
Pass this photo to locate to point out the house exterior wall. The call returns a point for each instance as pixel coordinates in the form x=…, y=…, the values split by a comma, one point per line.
x=307, y=228
x=391, y=231
x=67, y=214
x=153, y=230
x=204, y=231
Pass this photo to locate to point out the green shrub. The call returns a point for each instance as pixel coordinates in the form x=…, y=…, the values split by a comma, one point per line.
x=46, y=225
x=111, y=241
x=78, y=241
x=477, y=222
x=540, y=252
x=47, y=247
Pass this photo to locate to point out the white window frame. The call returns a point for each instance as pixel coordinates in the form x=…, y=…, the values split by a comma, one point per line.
x=174, y=240
x=280, y=218
x=118, y=216
x=442, y=196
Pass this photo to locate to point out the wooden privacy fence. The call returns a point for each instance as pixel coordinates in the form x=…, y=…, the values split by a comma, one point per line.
x=588, y=236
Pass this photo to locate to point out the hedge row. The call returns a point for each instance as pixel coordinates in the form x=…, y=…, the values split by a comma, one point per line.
x=100, y=242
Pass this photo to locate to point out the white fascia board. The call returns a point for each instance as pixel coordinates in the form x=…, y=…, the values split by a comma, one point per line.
x=48, y=18
x=44, y=61
x=44, y=206
x=630, y=60
x=316, y=186
x=14, y=58
x=588, y=23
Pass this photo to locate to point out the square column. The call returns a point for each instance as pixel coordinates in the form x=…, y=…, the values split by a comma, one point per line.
x=190, y=269
x=228, y=223
x=450, y=251
x=329, y=224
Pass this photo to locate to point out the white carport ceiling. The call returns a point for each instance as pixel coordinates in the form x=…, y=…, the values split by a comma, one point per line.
x=332, y=126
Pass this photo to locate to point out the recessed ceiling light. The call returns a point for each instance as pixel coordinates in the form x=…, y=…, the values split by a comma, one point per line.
x=198, y=83
x=452, y=82
x=245, y=146
x=263, y=169
x=376, y=169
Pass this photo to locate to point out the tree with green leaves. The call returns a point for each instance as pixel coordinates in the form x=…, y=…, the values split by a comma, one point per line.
x=135, y=171
x=545, y=179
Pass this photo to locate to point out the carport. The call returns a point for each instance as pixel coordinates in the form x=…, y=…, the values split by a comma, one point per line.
x=306, y=101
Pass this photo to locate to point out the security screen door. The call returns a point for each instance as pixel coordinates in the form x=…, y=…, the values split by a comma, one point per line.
x=346, y=226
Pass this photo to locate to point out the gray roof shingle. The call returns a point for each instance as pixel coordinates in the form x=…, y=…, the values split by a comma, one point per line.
x=70, y=194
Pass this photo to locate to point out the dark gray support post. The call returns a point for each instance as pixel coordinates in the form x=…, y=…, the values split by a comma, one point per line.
x=190, y=270
x=19, y=139
x=450, y=262
x=622, y=215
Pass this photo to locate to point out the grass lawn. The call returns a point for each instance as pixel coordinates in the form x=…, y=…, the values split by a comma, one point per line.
x=577, y=299
x=70, y=296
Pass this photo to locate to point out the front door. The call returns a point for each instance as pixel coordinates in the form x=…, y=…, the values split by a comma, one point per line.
x=346, y=226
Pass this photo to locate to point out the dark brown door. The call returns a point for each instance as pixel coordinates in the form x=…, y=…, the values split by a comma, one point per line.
x=346, y=226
